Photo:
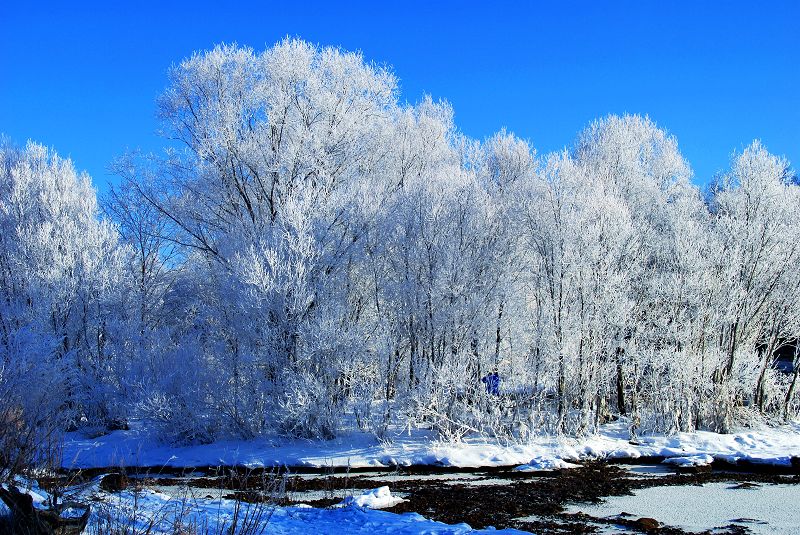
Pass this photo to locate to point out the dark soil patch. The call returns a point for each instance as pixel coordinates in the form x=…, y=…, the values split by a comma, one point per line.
x=500, y=505
x=114, y=482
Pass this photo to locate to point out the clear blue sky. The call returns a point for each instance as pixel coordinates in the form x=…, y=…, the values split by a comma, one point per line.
x=82, y=78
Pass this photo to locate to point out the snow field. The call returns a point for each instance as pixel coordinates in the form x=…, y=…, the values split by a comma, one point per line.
x=137, y=447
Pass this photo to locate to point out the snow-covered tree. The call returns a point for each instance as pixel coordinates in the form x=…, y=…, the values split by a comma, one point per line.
x=61, y=280
x=310, y=255
x=754, y=206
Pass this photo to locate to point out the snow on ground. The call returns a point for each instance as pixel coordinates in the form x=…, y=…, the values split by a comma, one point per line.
x=152, y=511
x=762, y=509
x=360, y=514
x=354, y=517
x=356, y=520
x=138, y=447
x=379, y=498
x=38, y=496
x=539, y=463
x=690, y=461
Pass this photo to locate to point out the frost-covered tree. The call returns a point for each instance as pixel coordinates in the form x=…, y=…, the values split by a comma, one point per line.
x=754, y=206
x=282, y=150
x=61, y=279
x=309, y=255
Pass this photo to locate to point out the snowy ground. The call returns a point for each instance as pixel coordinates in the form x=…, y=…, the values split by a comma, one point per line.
x=155, y=512
x=361, y=514
x=137, y=447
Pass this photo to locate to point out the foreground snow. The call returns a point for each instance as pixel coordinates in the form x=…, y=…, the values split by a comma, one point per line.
x=293, y=520
x=301, y=520
x=154, y=512
x=138, y=447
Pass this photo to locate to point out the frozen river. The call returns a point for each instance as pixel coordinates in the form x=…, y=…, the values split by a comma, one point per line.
x=761, y=508
x=593, y=497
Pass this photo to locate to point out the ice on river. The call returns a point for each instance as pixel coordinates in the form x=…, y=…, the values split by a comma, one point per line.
x=762, y=509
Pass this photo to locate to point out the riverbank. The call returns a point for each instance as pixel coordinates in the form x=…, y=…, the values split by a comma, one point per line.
x=138, y=447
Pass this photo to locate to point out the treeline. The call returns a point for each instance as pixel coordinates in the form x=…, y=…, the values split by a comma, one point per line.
x=309, y=255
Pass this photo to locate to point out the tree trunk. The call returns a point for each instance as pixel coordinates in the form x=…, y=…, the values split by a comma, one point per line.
x=498, y=338
x=562, y=384
x=767, y=356
x=790, y=392
x=620, y=383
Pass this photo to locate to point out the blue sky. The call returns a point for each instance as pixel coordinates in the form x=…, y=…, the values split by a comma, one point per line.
x=83, y=77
